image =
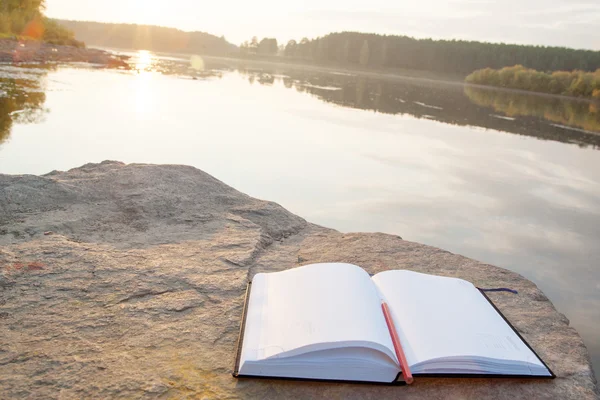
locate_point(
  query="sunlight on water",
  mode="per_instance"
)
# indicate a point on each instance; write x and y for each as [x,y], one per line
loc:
[145,64]
[144,61]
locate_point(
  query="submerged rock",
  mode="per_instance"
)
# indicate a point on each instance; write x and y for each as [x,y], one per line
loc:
[138,291]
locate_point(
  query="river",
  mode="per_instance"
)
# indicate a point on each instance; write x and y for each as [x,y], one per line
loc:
[507,178]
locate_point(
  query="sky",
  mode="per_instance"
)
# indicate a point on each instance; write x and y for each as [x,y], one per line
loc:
[570,23]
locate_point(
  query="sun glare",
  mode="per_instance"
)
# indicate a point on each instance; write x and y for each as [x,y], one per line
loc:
[143,61]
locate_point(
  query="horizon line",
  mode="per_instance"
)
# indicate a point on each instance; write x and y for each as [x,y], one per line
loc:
[334,32]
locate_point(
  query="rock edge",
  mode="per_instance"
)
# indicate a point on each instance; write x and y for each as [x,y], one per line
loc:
[127,281]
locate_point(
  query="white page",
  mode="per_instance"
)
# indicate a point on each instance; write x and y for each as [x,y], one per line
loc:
[311,308]
[351,364]
[447,317]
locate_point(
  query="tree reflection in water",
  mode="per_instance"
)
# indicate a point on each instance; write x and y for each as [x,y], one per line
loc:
[565,120]
[22,98]
[578,114]
[543,117]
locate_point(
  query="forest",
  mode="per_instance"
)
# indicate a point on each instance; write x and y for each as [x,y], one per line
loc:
[25,18]
[148,37]
[567,83]
[448,56]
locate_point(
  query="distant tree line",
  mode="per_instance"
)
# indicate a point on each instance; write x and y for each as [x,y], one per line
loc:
[149,37]
[448,56]
[568,83]
[267,46]
[25,18]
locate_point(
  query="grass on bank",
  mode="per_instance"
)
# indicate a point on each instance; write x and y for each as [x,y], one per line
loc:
[567,83]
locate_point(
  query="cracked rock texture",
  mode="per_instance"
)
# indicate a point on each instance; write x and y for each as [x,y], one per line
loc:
[128,281]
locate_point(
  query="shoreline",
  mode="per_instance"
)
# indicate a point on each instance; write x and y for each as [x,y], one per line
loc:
[28,51]
[426,76]
[395,75]
[31,51]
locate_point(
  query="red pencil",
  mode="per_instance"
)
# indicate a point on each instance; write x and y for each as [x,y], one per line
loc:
[408,378]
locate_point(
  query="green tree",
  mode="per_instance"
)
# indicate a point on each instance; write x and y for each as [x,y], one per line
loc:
[24,17]
[448,56]
[383,53]
[253,45]
[304,48]
[267,46]
[364,54]
[291,48]
[343,52]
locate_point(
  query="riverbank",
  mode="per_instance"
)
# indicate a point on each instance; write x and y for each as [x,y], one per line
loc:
[577,84]
[33,51]
[121,281]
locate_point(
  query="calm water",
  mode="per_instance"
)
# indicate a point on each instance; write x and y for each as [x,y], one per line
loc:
[509,179]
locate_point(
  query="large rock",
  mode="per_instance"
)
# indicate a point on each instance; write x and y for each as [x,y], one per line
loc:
[127,281]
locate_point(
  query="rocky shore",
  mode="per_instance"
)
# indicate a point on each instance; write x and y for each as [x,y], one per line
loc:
[31,51]
[128,281]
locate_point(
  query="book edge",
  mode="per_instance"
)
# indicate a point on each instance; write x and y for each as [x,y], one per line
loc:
[395,382]
[240,342]
[552,375]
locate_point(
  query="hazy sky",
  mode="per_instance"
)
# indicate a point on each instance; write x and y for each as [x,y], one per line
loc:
[572,23]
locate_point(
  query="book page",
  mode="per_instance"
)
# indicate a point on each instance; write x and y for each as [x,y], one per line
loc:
[312,308]
[447,317]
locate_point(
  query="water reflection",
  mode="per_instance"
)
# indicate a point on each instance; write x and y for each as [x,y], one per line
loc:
[524,204]
[548,118]
[22,88]
[22,98]
[571,113]
[144,62]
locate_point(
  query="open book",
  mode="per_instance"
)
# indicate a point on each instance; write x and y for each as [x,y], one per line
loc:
[325,321]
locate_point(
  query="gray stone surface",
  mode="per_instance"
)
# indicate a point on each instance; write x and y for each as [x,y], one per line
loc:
[127,281]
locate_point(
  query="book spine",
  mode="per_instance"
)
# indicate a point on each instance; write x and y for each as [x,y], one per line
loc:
[238,352]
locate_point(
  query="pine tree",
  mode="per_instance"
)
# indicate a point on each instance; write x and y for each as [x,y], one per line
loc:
[364,54]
